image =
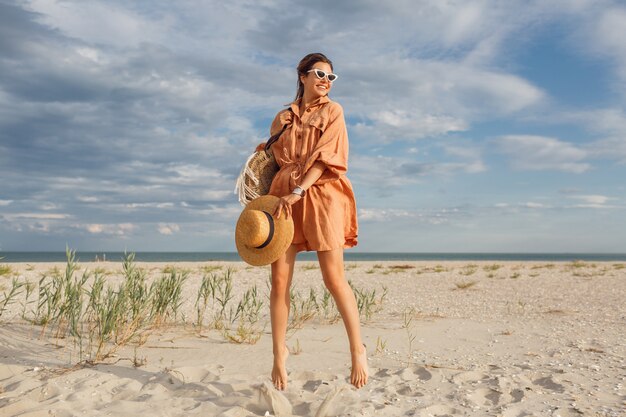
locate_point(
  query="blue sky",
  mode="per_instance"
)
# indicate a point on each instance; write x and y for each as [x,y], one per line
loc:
[482,126]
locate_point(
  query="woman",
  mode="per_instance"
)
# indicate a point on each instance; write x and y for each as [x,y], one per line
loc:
[312,154]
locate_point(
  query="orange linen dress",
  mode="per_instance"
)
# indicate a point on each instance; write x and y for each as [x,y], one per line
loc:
[325,218]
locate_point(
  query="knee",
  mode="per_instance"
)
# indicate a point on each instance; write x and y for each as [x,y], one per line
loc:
[335,285]
[280,283]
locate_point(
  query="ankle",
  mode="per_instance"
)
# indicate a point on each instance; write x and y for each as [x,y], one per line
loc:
[281,352]
[358,349]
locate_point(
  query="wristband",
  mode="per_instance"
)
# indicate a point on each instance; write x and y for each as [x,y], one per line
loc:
[299,191]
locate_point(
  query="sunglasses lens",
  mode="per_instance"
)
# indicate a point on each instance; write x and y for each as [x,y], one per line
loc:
[331,77]
[320,74]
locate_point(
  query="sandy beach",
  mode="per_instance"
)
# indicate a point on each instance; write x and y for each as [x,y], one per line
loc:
[443,338]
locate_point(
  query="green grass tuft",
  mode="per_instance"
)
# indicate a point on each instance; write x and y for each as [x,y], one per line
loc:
[5,270]
[465,285]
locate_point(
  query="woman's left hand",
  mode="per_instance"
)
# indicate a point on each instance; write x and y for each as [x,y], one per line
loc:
[284,205]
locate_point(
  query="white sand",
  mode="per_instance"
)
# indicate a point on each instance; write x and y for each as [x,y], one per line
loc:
[529,340]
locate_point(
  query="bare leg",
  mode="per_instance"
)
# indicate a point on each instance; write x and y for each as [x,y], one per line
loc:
[282,273]
[331,264]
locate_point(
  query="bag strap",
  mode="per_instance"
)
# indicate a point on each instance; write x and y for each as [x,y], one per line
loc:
[274,138]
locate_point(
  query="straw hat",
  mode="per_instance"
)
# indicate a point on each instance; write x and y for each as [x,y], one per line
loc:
[260,237]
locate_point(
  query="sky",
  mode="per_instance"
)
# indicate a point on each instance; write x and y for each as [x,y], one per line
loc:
[474,126]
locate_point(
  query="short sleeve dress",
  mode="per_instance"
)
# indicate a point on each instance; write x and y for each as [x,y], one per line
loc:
[325,218]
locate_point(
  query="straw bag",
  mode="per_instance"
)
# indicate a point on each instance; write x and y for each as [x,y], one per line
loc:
[258,172]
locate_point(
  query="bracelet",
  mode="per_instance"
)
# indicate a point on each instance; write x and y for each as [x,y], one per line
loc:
[299,191]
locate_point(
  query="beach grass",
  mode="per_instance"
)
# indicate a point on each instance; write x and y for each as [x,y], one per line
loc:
[543,266]
[467,270]
[5,270]
[10,296]
[327,309]
[408,316]
[302,309]
[248,309]
[464,285]
[578,264]
[437,269]
[381,345]
[85,310]
[367,302]
[207,269]
[491,268]
[351,266]
[296,349]
[101,318]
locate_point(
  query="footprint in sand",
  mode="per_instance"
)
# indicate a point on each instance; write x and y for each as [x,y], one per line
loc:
[469,376]
[423,374]
[485,396]
[410,391]
[438,410]
[517,395]
[409,374]
[548,383]
[312,386]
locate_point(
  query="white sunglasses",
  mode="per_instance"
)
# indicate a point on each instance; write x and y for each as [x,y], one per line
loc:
[321,74]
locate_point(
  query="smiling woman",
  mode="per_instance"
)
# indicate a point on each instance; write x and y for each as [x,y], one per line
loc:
[312,187]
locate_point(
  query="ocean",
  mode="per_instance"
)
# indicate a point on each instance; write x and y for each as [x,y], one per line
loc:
[348,256]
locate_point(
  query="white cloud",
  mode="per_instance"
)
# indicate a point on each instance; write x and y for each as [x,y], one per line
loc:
[533,205]
[606,128]
[39,227]
[540,153]
[91,54]
[39,216]
[427,98]
[610,148]
[588,201]
[216,195]
[609,28]
[226,213]
[88,199]
[391,214]
[49,206]
[98,22]
[94,228]
[190,173]
[162,205]
[386,173]
[401,124]
[120,229]
[592,199]
[5,202]
[168,228]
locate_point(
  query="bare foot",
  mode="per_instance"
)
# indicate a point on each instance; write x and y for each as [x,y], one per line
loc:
[279,372]
[360,372]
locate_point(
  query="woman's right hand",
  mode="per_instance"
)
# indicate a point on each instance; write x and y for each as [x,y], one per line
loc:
[284,205]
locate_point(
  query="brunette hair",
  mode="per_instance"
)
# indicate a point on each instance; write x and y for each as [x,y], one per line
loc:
[306,64]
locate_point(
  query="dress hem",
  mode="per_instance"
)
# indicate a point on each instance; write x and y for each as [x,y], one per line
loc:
[304,247]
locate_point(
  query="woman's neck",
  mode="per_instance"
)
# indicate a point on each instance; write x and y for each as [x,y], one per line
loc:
[305,102]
